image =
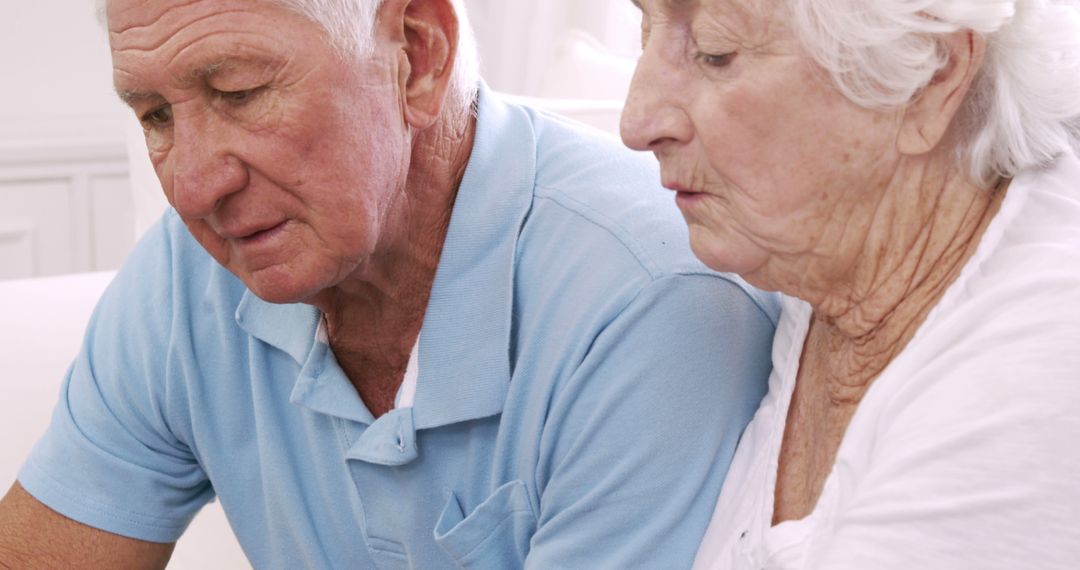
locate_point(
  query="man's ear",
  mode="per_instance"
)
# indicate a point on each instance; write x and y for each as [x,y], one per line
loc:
[928,116]
[430,29]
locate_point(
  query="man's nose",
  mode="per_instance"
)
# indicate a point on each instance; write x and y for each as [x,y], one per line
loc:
[654,115]
[205,170]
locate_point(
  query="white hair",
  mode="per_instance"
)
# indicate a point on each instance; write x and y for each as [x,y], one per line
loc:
[1024,106]
[350,25]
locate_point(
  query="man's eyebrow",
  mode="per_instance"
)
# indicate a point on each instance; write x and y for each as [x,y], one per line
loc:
[132,96]
[203,73]
[209,70]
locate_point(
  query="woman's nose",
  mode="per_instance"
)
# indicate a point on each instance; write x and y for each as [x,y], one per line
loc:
[653,115]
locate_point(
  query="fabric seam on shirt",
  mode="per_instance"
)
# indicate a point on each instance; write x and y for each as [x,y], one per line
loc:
[605,223]
[655,273]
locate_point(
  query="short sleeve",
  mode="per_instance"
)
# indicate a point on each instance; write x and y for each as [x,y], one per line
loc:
[110,457]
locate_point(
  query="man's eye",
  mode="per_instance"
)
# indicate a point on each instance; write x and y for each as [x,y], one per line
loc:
[157,118]
[716,60]
[241,96]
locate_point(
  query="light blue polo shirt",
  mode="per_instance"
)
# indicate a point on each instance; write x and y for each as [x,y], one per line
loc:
[583,381]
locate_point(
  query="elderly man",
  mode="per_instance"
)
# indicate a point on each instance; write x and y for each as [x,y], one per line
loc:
[392,320]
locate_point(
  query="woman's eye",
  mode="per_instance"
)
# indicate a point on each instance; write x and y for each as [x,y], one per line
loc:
[157,118]
[716,60]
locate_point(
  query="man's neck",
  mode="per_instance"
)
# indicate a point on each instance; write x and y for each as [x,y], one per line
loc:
[374,316]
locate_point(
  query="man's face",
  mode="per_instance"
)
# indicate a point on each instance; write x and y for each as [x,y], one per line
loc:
[281,156]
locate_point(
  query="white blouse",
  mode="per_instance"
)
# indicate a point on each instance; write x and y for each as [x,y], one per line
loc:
[965,451]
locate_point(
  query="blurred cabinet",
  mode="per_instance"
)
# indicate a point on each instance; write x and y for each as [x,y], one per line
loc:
[65,203]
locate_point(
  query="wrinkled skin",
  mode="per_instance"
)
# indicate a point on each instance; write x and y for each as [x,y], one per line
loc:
[867,215]
[775,170]
[282,158]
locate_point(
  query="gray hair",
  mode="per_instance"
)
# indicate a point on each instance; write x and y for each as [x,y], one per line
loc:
[350,25]
[1024,106]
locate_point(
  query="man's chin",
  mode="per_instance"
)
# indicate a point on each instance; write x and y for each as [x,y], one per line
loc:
[278,297]
[275,287]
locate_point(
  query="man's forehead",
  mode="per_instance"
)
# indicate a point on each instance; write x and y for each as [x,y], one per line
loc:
[185,42]
[123,15]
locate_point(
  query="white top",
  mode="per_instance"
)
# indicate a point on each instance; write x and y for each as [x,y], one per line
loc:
[965,452]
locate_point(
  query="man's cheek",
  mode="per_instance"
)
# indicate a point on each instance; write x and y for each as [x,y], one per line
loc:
[217,247]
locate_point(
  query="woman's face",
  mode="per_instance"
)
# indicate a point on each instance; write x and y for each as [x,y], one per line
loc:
[776,172]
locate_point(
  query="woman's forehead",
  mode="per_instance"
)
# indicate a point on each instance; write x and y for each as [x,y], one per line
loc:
[742,16]
[740,8]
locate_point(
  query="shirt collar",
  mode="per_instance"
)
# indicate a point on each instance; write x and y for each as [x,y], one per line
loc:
[289,328]
[465,340]
[464,355]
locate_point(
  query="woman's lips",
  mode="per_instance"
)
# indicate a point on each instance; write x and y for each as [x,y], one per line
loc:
[686,199]
[684,196]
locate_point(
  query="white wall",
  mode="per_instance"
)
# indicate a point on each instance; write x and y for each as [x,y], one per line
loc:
[519,38]
[56,72]
[64,198]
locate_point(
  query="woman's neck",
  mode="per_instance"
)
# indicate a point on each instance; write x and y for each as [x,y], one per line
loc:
[915,246]
[915,243]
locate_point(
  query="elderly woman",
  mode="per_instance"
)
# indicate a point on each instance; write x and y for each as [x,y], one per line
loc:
[904,173]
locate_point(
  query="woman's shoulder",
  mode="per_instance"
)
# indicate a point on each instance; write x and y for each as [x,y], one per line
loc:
[970,432]
[1037,231]
[1018,299]
[996,365]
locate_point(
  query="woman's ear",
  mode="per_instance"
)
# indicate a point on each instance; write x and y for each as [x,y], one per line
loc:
[430,46]
[928,116]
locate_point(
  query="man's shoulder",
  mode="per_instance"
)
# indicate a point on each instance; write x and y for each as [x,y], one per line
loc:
[595,168]
[599,210]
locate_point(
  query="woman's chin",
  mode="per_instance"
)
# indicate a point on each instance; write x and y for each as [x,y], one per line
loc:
[718,252]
